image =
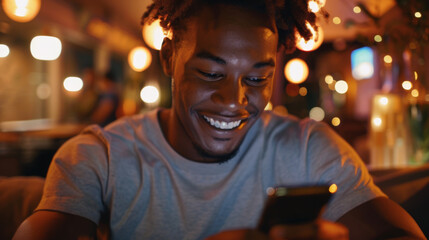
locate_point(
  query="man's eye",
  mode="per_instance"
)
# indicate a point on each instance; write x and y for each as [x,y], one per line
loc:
[210,76]
[256,79]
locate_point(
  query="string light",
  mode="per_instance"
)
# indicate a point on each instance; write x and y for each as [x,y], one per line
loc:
[336,121]
[296,71]
[418,14]
[21,10]
[45,48]
[407,85]
[357,9]
[378,38]
[336,20]
[4,50]
[139,59]
[149,94]
[73,84]
[153,34]
[388,59]
[341,86]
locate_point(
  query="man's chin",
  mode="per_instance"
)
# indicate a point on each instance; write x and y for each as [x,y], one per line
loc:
[211,157]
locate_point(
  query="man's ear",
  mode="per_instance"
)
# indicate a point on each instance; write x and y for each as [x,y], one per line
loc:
[166,55]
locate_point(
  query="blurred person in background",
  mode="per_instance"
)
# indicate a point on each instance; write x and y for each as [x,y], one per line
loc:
[99,99]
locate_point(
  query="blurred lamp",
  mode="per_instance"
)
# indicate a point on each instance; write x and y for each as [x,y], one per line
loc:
[153,34]
[149,94]
[4,50]
[45,48]
[362,63]
[139,59]
[73,84]
[313,43]
[21,10]
[296,71]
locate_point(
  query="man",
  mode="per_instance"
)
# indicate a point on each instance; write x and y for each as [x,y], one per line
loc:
[201,168]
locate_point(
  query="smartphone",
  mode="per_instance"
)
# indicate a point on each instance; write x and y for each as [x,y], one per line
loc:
[294,204]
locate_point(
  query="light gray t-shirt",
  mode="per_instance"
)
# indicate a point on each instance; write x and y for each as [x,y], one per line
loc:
[130,173]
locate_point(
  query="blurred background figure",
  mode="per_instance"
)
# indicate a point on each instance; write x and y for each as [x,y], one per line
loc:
[99,99]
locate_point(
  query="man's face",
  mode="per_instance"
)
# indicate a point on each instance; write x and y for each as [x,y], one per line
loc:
[222,71]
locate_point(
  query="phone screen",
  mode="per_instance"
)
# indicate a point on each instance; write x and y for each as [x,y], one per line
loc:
[293,205]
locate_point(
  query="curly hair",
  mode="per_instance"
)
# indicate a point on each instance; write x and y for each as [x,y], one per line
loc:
[290,15]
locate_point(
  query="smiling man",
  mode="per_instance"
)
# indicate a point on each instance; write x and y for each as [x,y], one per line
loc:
[202,168]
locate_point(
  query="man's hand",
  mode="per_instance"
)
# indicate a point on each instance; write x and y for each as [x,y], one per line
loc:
[320,230]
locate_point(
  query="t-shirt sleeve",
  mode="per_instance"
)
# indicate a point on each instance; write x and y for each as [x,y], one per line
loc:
[76,178]
[333,160]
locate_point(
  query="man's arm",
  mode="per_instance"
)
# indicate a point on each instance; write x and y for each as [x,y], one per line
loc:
[380,218]
[55,225]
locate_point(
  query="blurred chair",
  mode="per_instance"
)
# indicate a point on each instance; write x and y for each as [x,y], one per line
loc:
[19,196]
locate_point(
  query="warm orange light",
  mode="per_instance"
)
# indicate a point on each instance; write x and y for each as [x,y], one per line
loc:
[153,35]
[336,121]
[333,188]
[139,59]
[21,10]
[296,71]
[314,42]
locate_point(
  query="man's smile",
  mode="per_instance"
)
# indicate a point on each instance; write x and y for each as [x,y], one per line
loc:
[224,125]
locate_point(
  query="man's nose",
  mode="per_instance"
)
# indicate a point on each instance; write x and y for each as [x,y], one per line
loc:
[232,95]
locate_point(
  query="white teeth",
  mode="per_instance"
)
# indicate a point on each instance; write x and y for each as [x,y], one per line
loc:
[222,124]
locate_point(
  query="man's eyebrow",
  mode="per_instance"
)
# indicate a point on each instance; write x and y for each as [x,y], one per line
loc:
[268,63]
[211,57]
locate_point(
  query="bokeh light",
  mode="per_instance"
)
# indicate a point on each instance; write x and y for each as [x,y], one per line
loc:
[333,188]
[153,35]
[43,91]
[149,94]
[341,87]
[336,20]
[317,114]
[362,60]
[296,71]
[383,101]
[407,85]
[377,123]
[357,9]
[73,84]
[387,59]
[303,91]
[21,10]
[329,79]
[415,93]
[418,14]
[378,38]
[4,50]
[45,48]
[336,121]
[139,59]
[129,107]
[313,43]
[313,6]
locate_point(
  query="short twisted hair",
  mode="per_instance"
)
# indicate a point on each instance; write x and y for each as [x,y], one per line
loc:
[290,15]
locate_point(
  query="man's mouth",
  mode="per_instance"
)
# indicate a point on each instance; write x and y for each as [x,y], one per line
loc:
[219,124]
